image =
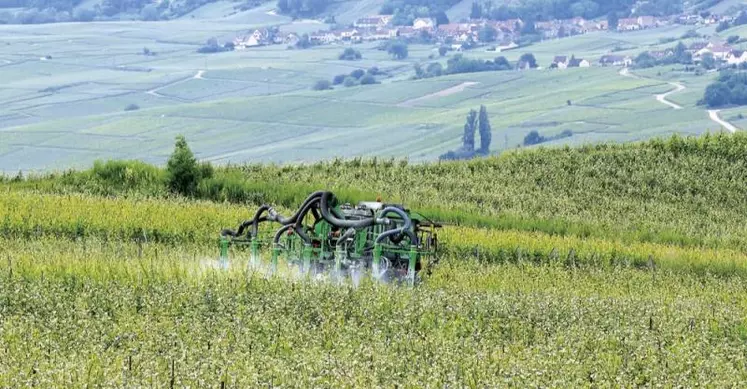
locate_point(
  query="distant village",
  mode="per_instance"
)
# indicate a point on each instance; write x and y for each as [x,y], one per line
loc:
[504,36]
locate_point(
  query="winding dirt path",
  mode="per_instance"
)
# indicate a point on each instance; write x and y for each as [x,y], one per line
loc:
[662,98]
[713,114]
[441,93]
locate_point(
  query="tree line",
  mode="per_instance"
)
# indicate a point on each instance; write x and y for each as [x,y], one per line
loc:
[475,122]
[566,9]
[729,89]
[460,64]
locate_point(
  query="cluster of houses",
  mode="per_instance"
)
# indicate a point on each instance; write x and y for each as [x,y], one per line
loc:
[564,62]
[379,27]
[506,33]
[721,52]
[264,36]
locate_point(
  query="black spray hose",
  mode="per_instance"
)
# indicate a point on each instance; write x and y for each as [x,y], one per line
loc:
[258,218]
[298,225]
[328,215]
[279,233]
[291,220]
[243,226]
[397,231]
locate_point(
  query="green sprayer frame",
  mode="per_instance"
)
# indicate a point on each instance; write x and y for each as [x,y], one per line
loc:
[386,240]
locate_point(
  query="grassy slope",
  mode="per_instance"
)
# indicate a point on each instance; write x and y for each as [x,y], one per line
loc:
[685,192]
[563,310]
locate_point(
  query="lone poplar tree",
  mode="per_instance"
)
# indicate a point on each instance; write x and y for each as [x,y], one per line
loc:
[485,135]
[469,131]
[183,171]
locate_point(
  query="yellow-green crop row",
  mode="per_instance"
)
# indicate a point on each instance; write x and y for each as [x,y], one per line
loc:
[29,215]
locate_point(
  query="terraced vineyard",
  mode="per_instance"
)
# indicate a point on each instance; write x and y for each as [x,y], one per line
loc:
[598,266]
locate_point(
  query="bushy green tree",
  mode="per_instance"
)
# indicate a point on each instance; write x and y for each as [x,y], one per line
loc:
[322,85]
[398,50]
[183,170]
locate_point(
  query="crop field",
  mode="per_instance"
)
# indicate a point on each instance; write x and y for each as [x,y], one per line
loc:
[256,105]
[597,266]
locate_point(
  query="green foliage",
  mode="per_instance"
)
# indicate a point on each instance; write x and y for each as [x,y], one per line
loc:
[476,11]
[534,138]
[184,174]
[527,60]
[681,191]
[350,81]
[470,126]
[350,54]
[104,314]
[398,50]
[302,8]
[339,79]
[368,79]
[485,131]
[119,177]
[487,34]
[707,61]
[459,64]
[730,88]
[405,11]
[322,85]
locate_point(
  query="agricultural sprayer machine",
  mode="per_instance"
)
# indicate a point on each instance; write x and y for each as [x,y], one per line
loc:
[325,237]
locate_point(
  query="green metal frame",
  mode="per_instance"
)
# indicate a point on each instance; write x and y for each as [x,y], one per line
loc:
[307,256]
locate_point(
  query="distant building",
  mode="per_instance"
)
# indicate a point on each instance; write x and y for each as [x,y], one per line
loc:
[423,24]
[615,60]
[578,63]
[628,24]
[736,57]
[559,62]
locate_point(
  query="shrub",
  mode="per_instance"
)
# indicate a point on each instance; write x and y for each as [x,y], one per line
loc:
[357,74]
[112,177]
[368,80]
[132,107]
[350,54]
[350,81]
[339,79]
[322,85]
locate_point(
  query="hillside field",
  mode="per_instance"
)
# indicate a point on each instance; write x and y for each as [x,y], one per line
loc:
[585,267]
[257,105]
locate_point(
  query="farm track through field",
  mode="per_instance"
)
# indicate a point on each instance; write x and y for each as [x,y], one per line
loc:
[713,114]
[662,98]
[442,93]
[154,91]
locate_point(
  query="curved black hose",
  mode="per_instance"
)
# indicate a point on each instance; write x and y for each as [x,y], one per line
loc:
[298,225]
[405,229]
[335,220]
[257,216]
[291,220]
[243,226]
[279,233]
